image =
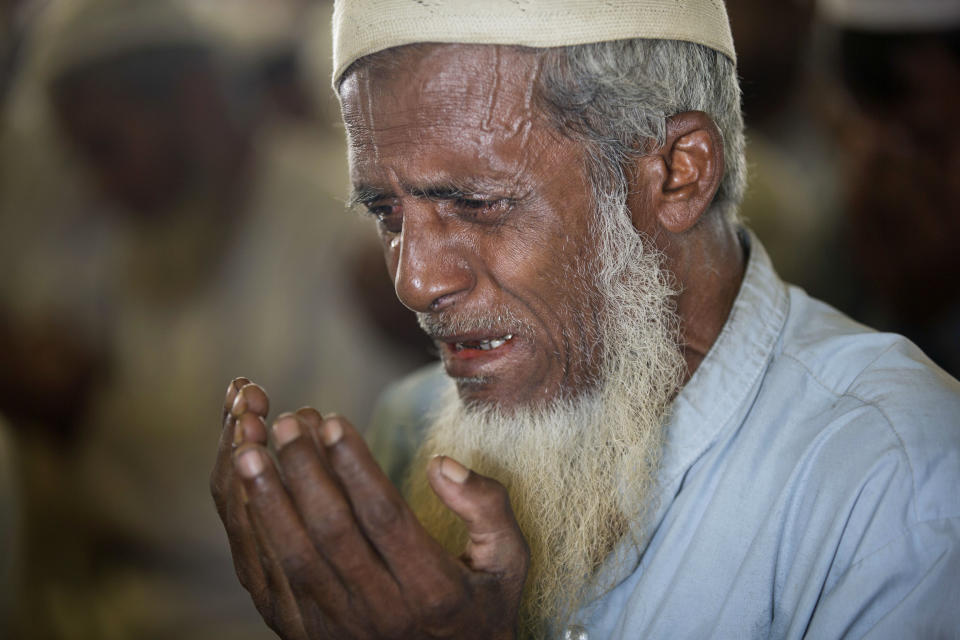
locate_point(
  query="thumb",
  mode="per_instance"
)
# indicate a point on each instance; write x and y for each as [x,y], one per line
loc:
[496,543]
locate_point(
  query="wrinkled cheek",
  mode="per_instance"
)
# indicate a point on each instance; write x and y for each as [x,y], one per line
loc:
[586,341]
[568,364]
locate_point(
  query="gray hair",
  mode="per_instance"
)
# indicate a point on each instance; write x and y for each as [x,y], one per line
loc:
[615,97]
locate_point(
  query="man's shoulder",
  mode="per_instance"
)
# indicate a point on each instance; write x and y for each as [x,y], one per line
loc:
[833,495]
[867,405]
[846,357]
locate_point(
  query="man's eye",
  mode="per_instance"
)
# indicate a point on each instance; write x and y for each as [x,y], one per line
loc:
[388,215]
[481,207]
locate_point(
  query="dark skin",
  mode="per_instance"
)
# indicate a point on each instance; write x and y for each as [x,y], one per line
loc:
[321,539]
[327,547]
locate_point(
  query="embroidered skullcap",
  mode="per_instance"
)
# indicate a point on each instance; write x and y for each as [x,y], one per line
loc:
[362,27]
[891,15]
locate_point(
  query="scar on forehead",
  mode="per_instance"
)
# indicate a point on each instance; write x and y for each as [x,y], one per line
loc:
[523,113]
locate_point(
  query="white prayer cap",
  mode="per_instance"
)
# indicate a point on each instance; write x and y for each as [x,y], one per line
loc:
[891,15]
[362,27]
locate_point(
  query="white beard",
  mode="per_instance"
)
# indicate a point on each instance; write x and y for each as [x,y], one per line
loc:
[581,471]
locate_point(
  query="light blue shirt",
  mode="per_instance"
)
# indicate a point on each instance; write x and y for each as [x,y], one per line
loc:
[810,486]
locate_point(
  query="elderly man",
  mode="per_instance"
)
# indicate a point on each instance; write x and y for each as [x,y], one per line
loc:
[643,432]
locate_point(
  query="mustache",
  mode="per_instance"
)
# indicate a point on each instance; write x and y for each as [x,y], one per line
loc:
[499,320]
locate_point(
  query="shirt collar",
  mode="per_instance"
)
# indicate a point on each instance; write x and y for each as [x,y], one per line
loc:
[727,378]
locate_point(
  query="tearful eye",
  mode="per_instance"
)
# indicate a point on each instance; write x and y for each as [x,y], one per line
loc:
[389,215]
[472,203]
[475,208]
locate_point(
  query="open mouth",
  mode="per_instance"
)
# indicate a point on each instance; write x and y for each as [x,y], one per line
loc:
[483,345]
[479,356]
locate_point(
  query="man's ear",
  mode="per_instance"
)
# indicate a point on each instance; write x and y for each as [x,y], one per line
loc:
[672,186]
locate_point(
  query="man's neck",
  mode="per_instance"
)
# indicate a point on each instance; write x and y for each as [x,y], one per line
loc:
[708,262]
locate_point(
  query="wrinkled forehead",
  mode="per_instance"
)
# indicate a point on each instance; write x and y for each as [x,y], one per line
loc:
[439,89]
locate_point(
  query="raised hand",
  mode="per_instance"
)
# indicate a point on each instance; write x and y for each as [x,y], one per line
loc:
[327,547]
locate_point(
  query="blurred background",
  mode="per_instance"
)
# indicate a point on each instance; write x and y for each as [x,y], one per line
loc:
[172,184]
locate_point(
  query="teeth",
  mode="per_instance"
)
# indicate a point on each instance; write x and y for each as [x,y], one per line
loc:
[485,345]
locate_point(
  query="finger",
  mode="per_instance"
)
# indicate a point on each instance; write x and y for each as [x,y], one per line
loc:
[228,420]
[251,398]
[250,428]
[247,428]
[416,560]
[244,549]
[235,385]
[230,501]
[281,531]
[249,410]
[496,544]
[312,422]
[277,603]
[228,495]
[325,511]
[241,395]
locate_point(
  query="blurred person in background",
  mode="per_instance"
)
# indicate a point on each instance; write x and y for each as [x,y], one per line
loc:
[166,221]
[15,16]
[791,201]
[850,162]
[896,97]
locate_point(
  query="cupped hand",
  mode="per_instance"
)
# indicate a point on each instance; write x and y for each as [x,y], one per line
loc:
[328,548]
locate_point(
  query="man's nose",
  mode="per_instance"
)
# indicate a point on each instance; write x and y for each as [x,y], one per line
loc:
[433,271]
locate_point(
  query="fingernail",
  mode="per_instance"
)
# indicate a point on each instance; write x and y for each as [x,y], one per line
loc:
[286,429]
[453,470]
[250,463]
[331,433]
[239,405]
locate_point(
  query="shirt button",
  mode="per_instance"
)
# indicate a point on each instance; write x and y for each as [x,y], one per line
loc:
[575,632]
